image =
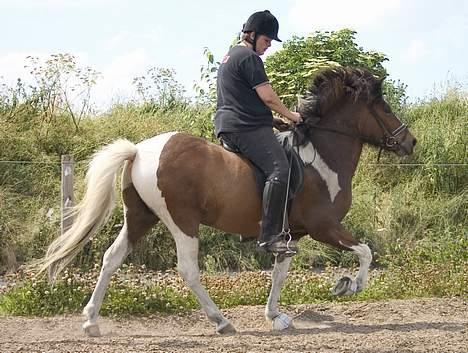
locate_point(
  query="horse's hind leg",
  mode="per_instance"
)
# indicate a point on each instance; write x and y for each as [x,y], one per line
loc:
[187,265]
[339,237]
[113,258]
[138,220]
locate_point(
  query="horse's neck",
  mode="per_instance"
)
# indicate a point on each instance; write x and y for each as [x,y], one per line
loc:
[331,153]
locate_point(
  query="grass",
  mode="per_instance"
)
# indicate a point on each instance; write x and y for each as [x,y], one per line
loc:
[138,291]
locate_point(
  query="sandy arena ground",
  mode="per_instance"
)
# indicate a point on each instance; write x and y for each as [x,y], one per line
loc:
[422,325]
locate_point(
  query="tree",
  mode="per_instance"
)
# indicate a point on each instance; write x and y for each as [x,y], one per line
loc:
[206,88]
[291,68]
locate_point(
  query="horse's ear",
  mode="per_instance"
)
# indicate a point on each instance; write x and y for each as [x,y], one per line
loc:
[379,84]
[381,81]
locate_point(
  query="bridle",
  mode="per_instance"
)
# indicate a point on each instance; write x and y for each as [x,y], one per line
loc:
[389,139]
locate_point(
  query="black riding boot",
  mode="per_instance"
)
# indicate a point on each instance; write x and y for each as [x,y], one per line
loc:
[271,239]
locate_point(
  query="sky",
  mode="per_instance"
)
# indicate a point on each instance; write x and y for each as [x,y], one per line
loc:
[425,40]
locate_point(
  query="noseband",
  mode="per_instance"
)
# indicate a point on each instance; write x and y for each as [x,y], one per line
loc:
[389,140]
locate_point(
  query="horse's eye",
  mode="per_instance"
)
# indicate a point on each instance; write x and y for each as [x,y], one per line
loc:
[386,108]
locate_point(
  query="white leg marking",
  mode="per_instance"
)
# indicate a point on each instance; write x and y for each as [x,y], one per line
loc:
[310,156]
[365,259]
[280,271]
[347,285]
[144,176]
[113,258]
[187,263]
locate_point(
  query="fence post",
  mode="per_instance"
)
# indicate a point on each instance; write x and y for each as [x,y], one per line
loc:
[66,192]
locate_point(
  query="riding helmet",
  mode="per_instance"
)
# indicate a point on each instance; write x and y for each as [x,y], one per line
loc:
[262,22]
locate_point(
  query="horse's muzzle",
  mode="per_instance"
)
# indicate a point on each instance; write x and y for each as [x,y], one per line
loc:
[406,147]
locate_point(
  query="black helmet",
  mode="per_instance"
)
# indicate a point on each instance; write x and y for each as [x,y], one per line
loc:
[263,22]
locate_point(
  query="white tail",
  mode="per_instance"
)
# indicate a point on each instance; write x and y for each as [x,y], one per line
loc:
[93,211]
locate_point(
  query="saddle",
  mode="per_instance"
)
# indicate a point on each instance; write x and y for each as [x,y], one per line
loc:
[286,139]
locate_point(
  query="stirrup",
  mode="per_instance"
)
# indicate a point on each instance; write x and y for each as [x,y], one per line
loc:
[279,246]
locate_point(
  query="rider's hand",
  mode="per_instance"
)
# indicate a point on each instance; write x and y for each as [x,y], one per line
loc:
[295,117]
[280,124]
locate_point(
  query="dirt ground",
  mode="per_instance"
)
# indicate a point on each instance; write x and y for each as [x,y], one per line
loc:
[422,325]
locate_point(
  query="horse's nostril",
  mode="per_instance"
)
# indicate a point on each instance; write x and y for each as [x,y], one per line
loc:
[414,142]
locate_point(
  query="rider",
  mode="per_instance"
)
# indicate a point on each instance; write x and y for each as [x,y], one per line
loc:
[244,119]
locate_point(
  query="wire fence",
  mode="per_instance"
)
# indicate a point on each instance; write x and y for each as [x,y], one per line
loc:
[369,164]
[56,187]
[33,198]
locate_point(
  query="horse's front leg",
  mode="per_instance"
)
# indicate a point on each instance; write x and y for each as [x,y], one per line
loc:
[347,285]
[334,234]
[278,320]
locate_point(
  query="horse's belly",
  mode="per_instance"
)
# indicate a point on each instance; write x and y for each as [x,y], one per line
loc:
[239,215]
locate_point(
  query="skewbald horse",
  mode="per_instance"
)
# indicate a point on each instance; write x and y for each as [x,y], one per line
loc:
[185,181]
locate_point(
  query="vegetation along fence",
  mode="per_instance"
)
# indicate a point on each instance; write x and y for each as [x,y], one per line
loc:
[394,206]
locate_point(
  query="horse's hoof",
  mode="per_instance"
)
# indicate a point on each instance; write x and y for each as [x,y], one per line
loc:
[281,322]
[91,330]
[343,287]
[225,328]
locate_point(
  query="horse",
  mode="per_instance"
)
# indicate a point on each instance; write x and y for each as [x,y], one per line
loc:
[185,181]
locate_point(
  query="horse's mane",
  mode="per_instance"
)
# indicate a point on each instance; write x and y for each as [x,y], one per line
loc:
[334,86]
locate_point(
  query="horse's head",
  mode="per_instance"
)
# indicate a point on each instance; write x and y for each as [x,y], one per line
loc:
[349,101]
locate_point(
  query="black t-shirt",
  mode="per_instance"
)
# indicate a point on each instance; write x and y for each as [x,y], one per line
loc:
[239,108]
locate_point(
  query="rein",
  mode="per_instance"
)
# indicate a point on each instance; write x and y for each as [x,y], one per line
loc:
[344,133]
[389,139]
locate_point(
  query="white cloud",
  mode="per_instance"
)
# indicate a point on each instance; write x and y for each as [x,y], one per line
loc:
[115,82]
[118,39]
[117,77]
[58,4]
[152,36]
[308,16]
[12,66]
[415,52]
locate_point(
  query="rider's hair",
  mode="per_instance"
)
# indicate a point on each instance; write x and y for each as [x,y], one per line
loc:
[248,37]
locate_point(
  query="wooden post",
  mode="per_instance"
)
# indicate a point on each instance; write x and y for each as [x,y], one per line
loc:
[66,192]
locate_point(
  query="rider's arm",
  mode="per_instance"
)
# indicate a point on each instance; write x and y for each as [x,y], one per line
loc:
[272,101]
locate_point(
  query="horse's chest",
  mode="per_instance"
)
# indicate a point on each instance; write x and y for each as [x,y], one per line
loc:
[326,177]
